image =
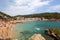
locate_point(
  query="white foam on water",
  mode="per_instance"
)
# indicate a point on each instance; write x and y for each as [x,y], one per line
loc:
[37,28]
[15,39]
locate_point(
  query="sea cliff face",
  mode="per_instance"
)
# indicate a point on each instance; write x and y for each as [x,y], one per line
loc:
[37,37]
[6,29]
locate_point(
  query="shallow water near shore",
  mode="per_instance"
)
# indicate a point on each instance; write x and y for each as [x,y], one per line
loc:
[25,30]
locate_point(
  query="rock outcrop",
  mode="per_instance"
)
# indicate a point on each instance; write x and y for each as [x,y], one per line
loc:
[52,34]
[37,36]
[6,31]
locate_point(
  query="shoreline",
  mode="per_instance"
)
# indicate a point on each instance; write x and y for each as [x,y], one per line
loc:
[6,28]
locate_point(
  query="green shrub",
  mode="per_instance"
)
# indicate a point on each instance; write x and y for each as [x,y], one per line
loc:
[55,30]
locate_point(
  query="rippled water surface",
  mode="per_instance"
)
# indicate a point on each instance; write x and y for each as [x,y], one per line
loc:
[25,30]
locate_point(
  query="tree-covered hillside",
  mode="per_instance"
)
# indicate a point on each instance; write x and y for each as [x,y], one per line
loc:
[5,15]
[45,15]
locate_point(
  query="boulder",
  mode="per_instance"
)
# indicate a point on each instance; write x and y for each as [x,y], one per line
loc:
[37,36]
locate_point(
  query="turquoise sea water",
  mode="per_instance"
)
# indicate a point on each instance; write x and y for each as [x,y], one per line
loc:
[25,30]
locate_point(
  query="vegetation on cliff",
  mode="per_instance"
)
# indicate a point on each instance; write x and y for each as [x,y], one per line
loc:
[3,14]
[55,30]
[47,15]
[54,33]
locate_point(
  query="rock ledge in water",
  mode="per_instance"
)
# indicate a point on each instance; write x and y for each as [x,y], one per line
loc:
[37,36]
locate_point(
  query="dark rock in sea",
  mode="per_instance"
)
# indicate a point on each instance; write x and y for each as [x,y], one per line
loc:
[25,32]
